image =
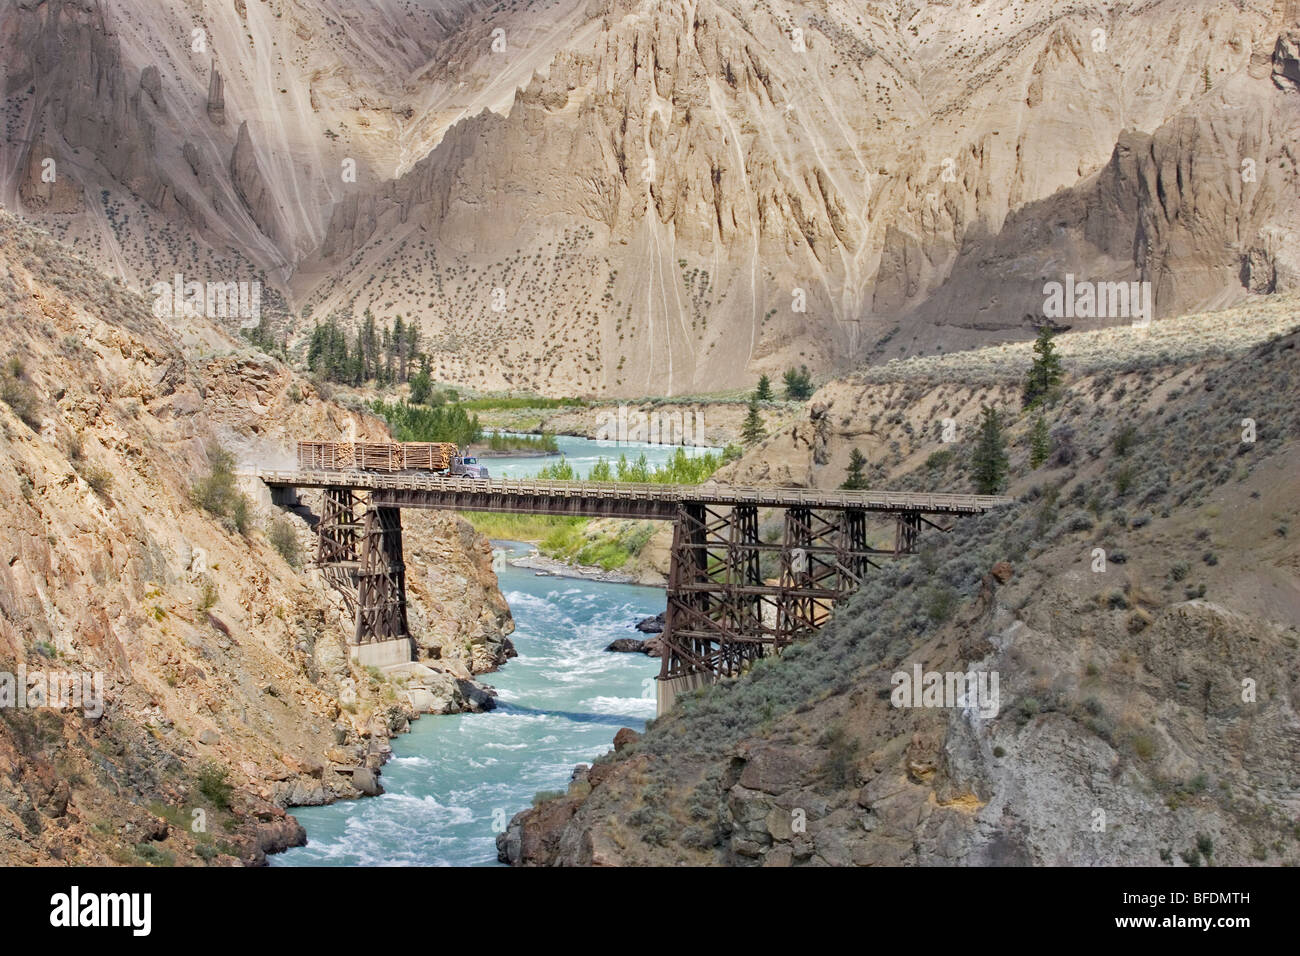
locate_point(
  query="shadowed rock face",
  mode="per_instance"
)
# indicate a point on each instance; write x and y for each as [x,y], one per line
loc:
[217,101]
[250,184]
[642,199]
[1286,61]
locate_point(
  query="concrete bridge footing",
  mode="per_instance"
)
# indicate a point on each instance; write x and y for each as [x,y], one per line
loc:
[383,653]
[668,689]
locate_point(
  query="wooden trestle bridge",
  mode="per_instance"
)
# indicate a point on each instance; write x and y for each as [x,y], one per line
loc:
[722,612]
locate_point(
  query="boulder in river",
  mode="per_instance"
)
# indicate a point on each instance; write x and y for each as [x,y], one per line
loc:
[652,625]
[367,781]
[627,645]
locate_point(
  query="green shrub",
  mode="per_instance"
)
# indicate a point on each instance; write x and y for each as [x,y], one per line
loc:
[99,479]
[207,596]
[415,422]
[218,493]
[543,442]
[214,785]
[1144,746]
[840,765]
[940,603]
[1124,440]
[284,539]
[938,460]
[1124,480]
[21,398]
[1079,521]
[153,855]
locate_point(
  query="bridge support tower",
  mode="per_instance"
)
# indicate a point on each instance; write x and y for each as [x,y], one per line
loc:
[359,551]
[723,614]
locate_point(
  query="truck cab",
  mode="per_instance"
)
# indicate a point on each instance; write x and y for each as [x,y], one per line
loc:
[468,468]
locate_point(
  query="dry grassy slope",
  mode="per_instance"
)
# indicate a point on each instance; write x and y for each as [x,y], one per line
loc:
[894,413]
[1121,691]
[108,581]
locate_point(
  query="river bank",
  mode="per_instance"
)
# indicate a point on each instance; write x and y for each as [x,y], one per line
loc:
[542,565]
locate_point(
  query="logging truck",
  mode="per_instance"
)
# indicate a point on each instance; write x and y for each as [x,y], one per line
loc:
[439,457]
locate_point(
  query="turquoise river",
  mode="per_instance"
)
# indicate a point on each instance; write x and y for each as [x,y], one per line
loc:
[454,781]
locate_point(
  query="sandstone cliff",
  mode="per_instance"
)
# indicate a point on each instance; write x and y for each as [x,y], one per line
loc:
[228,693]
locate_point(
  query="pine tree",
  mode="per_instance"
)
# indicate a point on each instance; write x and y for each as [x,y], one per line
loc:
[1045,374]
[399,349]
[989,462]
[764,391]
[368,346]
[1040,443]
[798,384]
[316,348]
[752,432]
[413,345]
[327,353]
[855,479]
[421,384]
[384,369]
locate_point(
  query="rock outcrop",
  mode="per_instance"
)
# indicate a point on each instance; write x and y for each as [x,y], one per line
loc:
[1286,61]
[246,175]
[217,98]
[45,186]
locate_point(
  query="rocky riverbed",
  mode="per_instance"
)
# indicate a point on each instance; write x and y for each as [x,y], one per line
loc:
[544,565]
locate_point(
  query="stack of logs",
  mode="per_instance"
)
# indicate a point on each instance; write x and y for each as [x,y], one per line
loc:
[375,456]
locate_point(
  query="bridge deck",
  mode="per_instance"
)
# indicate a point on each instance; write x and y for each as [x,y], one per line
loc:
[614,499]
